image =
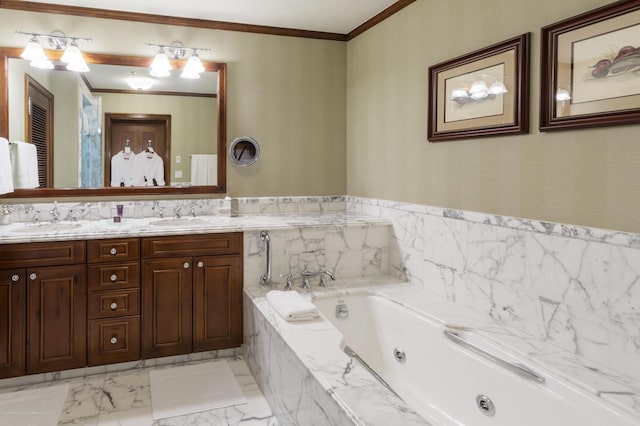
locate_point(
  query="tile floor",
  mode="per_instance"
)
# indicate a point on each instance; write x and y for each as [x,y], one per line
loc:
[124,398]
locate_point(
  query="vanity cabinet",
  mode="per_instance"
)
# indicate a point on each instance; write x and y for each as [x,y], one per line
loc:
[113,301]
[191,293]
[43,307]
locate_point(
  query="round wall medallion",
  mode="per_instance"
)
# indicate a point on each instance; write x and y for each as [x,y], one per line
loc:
[244,151]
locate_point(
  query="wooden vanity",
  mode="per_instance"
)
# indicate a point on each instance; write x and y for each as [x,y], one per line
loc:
[71,304]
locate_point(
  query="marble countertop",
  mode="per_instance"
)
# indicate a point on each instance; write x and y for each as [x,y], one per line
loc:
[94,229]
[329,364]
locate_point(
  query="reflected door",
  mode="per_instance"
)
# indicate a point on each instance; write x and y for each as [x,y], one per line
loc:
[135,134]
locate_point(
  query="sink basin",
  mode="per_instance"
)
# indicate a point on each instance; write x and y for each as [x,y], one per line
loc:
[180,221]
[48,227]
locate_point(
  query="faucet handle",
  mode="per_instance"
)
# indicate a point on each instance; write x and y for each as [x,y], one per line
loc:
[192,211]
[289,284]
[176,211]
[36,216]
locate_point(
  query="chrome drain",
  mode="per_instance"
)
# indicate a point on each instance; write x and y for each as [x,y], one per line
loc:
[485,405]
[399,355]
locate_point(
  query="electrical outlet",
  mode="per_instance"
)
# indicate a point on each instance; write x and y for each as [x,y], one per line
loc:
[178,159]
[177,174]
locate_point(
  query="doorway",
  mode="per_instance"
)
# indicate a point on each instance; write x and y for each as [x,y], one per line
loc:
[136,134]
[39,128]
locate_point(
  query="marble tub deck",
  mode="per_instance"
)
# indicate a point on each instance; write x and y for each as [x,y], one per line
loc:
[124,398]
[316,344]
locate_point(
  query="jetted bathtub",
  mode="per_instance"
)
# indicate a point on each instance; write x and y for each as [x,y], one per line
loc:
[453,376]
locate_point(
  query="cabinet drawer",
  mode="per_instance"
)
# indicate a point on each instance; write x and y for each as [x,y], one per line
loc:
[41,254]
[113,340]
[113,276]
[191,245]
[117,249]
[113,304]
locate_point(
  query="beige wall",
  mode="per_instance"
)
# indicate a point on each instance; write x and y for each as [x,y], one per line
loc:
[588,177]
[288,93]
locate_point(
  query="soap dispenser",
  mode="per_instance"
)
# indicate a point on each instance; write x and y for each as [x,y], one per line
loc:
[5,216]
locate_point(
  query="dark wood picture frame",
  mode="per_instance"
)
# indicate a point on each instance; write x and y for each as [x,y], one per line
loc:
[585,78]
[481,114]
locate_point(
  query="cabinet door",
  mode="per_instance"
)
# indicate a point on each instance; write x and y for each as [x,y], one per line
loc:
[217,303]
[167,287]
[57,318]
[13,322]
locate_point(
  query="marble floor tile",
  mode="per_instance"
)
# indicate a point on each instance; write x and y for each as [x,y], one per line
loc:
[124,399]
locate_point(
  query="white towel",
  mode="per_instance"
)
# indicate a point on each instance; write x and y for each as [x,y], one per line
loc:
[6,175]
[24,161]
[292,306]
[204,169]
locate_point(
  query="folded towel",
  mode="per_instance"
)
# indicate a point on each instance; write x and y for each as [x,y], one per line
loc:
[6,176]
[24,162]
[292,306]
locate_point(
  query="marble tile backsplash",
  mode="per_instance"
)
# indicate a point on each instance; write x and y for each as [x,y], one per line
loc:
[575,287]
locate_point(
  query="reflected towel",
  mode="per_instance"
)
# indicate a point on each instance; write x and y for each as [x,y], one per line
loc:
[204,169]
[6,175]
[292,306]
[24,161]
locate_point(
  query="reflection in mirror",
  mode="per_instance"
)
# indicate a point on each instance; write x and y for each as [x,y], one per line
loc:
[83,143]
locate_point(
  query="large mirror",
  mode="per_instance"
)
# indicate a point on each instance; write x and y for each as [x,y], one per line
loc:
[92,119]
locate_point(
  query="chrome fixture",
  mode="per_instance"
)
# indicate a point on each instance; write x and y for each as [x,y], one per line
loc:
[342,311]
[306,275]
[350,352]
[289,283]
[161,64]
[55,213]
[485,405]
[5,215]
[72,57]
[36,216]
[519,369]
[400,355]
[176,212]
[192,211]
[266,278]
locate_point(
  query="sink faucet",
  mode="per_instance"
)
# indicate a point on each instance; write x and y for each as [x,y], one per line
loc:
[192,211]
[55,213]
[176,211]
[36,216]
[306,275]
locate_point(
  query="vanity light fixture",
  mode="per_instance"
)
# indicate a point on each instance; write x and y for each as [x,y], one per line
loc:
[161,64]
[563,95]
[72,56]
[479,91]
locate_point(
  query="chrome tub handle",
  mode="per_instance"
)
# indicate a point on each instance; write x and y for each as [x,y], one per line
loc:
[519,369]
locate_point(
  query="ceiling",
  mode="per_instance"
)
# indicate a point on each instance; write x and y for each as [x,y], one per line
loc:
[333,16]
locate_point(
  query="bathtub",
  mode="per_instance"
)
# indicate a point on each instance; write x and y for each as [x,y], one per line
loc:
[453,376]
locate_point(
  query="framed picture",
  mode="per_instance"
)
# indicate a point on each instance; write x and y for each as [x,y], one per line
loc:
[483,93]
[590,69]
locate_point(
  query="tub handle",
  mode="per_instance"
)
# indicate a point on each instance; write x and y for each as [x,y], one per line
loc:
[519,369]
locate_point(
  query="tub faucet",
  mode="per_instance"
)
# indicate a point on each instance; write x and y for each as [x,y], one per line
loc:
[306,275]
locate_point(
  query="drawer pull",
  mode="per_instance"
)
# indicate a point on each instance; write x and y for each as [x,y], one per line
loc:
[15,278]
[200,264]
[114,306]
[186,265]
[114,278]
[114,340]
[33,276]
[113,251]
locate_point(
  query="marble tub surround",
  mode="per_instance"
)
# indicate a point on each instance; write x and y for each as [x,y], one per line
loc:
[311,352]
[577,288]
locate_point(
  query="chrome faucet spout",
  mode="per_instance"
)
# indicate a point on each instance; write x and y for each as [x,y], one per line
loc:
[55,213]
[306,275]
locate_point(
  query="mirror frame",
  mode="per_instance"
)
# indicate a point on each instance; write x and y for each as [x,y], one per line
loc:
[95,58]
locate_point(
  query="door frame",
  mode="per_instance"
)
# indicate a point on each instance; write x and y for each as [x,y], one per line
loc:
[116,118]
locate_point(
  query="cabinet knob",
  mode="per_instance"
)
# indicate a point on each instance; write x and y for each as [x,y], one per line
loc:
[113,251]
[33,276]
[186,265]
[200,264]
[114,277]
[15,278]
[114,306]
[114,340]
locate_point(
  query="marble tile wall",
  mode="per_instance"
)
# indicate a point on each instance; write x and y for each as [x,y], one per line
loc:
[575,287]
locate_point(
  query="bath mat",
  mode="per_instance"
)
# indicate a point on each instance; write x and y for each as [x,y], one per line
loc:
[33,407]
[193,388]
